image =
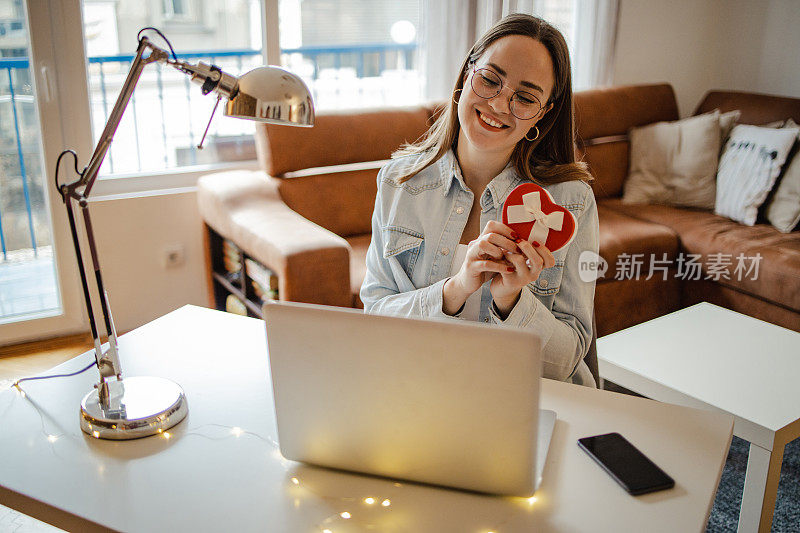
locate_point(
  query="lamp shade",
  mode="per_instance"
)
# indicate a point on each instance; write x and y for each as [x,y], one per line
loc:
[272,94]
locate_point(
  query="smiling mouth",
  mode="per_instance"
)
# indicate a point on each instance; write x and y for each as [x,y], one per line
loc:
[488,121]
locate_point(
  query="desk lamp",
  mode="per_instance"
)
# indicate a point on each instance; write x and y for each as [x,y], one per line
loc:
[140,406]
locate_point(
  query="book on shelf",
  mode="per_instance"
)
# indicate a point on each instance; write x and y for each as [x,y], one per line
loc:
[231,266]
[264,294]
[260,274]
[235,305]
[231,256]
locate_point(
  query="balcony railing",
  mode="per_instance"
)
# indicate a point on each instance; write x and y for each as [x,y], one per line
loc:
[11,133]
[162,129]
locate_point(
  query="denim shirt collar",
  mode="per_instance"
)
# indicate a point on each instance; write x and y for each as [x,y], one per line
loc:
[497,190]
[451,172]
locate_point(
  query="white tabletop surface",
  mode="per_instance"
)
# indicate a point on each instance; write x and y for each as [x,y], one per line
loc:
[220,470]
[742,365]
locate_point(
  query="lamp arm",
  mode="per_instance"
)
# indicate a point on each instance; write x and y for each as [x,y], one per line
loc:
[108,362]
[143,406]
[89,174]
[211,78]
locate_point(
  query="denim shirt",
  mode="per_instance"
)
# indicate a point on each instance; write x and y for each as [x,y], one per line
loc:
[416,227]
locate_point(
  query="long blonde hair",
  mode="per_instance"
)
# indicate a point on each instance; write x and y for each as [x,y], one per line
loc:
[548,159]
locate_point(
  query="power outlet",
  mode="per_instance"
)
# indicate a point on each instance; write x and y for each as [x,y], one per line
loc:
[174,256]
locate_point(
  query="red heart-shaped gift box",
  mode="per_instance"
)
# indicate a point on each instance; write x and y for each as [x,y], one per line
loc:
[531,212]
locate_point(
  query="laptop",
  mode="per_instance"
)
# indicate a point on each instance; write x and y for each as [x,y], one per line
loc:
[449,403]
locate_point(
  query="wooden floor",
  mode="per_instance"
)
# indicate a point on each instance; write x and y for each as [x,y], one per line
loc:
[24,360]
[32,358]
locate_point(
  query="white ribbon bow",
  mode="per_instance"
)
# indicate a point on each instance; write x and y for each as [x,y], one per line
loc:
[531,210]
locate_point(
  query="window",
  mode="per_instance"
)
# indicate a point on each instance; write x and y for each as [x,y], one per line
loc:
[177,10]
[167,114]
[29,285]
[353,53]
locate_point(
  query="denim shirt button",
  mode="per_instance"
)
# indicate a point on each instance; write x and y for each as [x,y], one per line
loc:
[445,251]
[459,210]
[486,319]
[543,283]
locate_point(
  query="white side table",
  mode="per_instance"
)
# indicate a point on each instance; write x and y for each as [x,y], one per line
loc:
[711,357]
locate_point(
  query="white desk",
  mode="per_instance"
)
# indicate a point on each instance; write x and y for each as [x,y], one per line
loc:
[710,357]
[206,478]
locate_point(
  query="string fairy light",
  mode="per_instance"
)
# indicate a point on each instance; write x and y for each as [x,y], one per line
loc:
[235,431]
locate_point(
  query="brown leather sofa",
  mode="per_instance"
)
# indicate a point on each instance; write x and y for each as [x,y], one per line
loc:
[306,216]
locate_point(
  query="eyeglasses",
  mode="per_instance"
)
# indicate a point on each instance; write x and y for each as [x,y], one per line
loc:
[488,84]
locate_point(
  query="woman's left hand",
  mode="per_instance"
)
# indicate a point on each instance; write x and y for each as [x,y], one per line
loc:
[506,286]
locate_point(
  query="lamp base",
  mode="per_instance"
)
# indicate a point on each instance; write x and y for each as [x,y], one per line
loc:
[137,407]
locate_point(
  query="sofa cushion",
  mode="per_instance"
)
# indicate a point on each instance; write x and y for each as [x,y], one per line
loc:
[339,138]
[674,162]
[712,292]
[614,110]
[622,234]
[625,303]
[755,108]
[602,120]
[748,168]
[608,163]
[783,207]
[359,245]
[726,123]
[702,232]
[341,201]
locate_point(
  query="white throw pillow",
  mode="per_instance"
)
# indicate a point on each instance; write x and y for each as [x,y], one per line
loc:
[748,168]
[674,162]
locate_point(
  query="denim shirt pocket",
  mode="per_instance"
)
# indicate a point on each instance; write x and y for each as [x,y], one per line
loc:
[404,245]
[549,281]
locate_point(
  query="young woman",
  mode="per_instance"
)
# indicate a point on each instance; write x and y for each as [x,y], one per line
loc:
[438,248]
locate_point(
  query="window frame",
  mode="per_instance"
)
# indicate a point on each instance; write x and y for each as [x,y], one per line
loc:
[50,24]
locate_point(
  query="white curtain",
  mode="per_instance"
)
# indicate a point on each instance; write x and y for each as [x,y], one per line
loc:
[594,38]
[451,27]
[448,32]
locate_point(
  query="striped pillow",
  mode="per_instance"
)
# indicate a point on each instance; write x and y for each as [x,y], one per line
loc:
[748,168]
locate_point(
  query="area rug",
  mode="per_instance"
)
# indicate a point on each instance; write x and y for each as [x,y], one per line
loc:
[725,512]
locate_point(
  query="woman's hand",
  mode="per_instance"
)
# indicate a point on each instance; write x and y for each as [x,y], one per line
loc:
[486,257]
[528,264]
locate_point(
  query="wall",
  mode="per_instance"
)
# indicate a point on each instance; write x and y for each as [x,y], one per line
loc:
[132,236]
[699,45]
[779,61]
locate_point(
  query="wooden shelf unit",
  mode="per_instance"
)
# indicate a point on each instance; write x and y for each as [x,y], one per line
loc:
[223,282]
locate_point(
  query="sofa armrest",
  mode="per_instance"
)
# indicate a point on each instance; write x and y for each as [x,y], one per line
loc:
[312,263]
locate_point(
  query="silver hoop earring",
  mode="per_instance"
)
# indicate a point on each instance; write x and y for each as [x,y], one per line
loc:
[536,137]
[456,92]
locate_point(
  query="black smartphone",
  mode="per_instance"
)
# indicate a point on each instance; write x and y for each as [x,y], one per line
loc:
[626,464]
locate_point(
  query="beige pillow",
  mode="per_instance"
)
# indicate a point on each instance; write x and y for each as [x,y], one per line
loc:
[783,211]
[726,123]
[674,162]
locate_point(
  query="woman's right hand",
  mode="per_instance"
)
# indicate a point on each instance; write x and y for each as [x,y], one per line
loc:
[485,258]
